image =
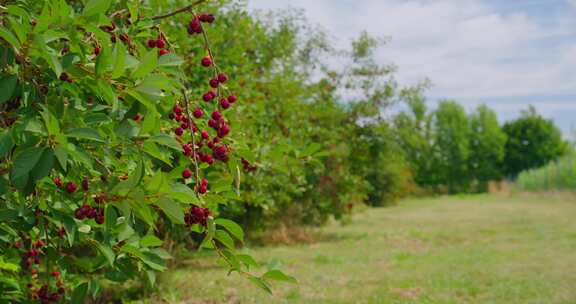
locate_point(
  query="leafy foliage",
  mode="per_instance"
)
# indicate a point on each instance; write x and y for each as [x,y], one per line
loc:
[96,180]
[532,142]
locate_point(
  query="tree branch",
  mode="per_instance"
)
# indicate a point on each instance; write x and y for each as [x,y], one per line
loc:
[178,11]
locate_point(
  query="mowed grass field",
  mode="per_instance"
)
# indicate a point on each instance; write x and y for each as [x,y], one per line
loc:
[477,249]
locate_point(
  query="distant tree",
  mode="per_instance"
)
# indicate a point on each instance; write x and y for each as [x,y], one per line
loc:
[532,142]
[452,145]
[487,146]
[414,134]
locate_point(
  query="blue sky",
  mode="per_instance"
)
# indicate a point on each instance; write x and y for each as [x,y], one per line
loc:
[504,53]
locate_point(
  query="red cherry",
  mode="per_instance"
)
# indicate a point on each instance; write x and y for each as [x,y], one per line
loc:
[160,43]
[206,61]
[85,184]
[214,83]
[222,78]
[71,187]
[179,131]
[57,181]
[163,52]
[177,110]
[198,113]
[151,43]
[224,130]
[224,103]
[186,173]
[137,117]
[205,135]
[216,115]
[232,98]
[97,50]
[64,77]
[209,96]
[213,124]
[55,274]
[208,18]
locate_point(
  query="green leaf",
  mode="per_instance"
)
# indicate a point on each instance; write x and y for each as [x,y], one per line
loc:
[8,214]
[24,162]
[151,241]
[79,293]
[62,156]
[8,36]
[94,7]
[6,144]
[107,252]
[262,284]
[183,193]
[147,64]
[278,275]
[84,133]
[247,260]
[7,87]
[110,218]
[153,150]
[167,141]
[119,60]
[210,232]
[223,237]
[136,176]
[172,209]
[232,227]
[149,104]
[103,60]
[52,125]
[44,165]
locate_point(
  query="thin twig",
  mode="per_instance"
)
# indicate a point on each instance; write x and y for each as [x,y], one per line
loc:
[191,127]
[178,11]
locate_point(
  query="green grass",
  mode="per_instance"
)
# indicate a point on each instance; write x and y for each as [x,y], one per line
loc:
[481,249]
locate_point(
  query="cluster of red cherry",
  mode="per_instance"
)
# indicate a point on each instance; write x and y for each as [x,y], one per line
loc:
[197,215]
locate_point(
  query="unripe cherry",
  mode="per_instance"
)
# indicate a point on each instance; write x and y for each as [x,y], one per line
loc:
[179,131]
[198,113]
[224,103]
[222,78]
[186,173]
[206,61]
[57,181]
[232,98]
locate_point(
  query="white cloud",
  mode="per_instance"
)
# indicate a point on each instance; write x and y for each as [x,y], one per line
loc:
[468,48]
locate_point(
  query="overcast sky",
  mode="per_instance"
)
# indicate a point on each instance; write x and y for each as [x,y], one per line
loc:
[505,53]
